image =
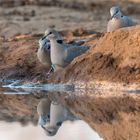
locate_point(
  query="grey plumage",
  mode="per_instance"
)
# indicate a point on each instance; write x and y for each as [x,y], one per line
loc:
[76,42]
[62,54]
[118,20]
[43,110]
[52,115]
[58,114]
[43,52]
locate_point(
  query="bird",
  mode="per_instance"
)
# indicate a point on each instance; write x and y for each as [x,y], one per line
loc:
[43,110]
[43,52]
[58,114]
[118,20]
[62,54]
[51,115]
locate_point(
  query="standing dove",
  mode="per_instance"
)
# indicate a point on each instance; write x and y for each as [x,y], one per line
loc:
[58,114]
[43,52]
[61,53]
[43,110]
[118,20]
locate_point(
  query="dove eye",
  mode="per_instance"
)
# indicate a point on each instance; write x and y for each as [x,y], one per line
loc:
[117,11]
[49,132]
[48,116]
[49,47]
[59,124]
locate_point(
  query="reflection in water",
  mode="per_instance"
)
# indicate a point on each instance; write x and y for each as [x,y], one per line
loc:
[18,87]
[51,116]
[58,116]
[78,130]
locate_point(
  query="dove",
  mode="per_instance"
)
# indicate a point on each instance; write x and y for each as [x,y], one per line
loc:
[118,20]
[61,53]
[58,114]
[43,110]
[43,52]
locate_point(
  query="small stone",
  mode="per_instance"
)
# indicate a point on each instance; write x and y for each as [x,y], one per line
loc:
[33,13]
[25,18]
[97,56]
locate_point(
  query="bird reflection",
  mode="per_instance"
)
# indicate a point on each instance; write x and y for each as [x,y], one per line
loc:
[52,115]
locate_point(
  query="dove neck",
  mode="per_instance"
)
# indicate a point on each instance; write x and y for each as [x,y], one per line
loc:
[118,15]
[55,50]
[53,40]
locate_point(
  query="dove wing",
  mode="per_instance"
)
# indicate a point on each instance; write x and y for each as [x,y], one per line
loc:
[73,51]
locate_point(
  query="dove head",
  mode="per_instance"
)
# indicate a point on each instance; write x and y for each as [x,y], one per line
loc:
[115,12]
[50,31]
[52,130]
[52,36]
[43,110]
[43,43]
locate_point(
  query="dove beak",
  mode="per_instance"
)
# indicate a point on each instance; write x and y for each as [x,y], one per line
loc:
[44,37]
[112,16]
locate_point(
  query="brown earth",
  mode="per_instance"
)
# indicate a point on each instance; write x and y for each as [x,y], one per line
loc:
[112,57]
[22,26]
[35,18]
[19,59]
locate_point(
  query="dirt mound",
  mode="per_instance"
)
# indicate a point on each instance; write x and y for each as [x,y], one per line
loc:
[114,57]
[123,44]
[18,58]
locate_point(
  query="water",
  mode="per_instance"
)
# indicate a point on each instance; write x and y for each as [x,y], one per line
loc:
[24,112]
[10,126]
[17,87]
[78,130]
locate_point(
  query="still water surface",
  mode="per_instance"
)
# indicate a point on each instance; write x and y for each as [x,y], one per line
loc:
[77,130]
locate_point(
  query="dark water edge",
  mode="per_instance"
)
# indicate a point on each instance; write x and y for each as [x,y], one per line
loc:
[20,87]
[17,87]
